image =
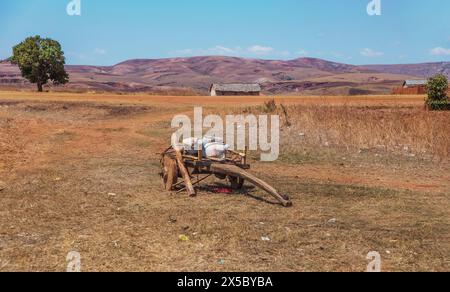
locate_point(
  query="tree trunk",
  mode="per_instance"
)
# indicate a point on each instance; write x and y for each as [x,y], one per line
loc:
[40,87]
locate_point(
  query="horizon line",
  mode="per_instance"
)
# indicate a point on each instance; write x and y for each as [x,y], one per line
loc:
[248,58]
[258,59]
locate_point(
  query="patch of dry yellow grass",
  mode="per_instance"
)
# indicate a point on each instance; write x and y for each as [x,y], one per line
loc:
[398,129]
[407,129]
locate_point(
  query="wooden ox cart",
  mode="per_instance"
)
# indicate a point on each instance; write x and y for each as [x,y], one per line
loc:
[192,170]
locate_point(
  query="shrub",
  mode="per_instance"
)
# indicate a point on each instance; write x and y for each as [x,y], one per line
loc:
[438,105]
[270,106]
[437,93]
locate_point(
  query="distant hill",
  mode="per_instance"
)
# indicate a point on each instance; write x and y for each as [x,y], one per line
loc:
[195,75]
[424,70]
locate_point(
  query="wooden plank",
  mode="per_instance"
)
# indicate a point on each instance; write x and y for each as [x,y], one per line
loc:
[238,172]
[170,173]
[185,174]
[200,151]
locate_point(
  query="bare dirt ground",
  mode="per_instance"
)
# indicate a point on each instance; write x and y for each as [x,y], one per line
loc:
[80,173]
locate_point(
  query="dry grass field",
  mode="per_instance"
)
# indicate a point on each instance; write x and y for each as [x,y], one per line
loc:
[79,172]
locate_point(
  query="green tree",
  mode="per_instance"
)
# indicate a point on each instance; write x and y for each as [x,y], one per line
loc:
[40,60]
[437,88]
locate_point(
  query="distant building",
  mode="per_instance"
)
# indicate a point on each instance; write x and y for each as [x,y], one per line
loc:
[239,89]
[412,87]
[415,83]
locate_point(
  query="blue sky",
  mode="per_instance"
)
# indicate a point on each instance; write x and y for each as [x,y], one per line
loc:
[111,31]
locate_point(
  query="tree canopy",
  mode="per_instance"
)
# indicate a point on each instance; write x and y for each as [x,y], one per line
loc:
[437,93]
[437,87]
[40,61]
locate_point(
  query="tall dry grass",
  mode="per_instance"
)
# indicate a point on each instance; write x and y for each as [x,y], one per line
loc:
[411,130]
[408,130]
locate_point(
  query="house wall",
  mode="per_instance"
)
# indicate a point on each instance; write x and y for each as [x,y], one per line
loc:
[234,93]
[413,90]
[410,90]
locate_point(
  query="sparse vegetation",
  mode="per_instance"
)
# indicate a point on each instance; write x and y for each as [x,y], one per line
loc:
[270,106]
[78,174]
[287,122]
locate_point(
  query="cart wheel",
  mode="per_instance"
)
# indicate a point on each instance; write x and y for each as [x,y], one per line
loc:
[170,173]
[237,183]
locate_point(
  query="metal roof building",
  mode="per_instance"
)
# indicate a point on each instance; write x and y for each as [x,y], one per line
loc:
[413,83]
[235,89]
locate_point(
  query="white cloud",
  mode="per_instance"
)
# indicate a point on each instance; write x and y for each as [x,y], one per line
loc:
[224,50]
[371,53]
[217,50]
[252,51]
[86,57]
[440,51]
[260,50]
[337,54]
[76,55]
[98,51]
[302,52]
[185,52]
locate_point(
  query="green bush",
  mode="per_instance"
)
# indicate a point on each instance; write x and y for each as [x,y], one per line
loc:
[437,93]
[438,105]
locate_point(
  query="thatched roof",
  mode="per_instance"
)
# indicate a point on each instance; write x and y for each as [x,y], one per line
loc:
[236,87]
